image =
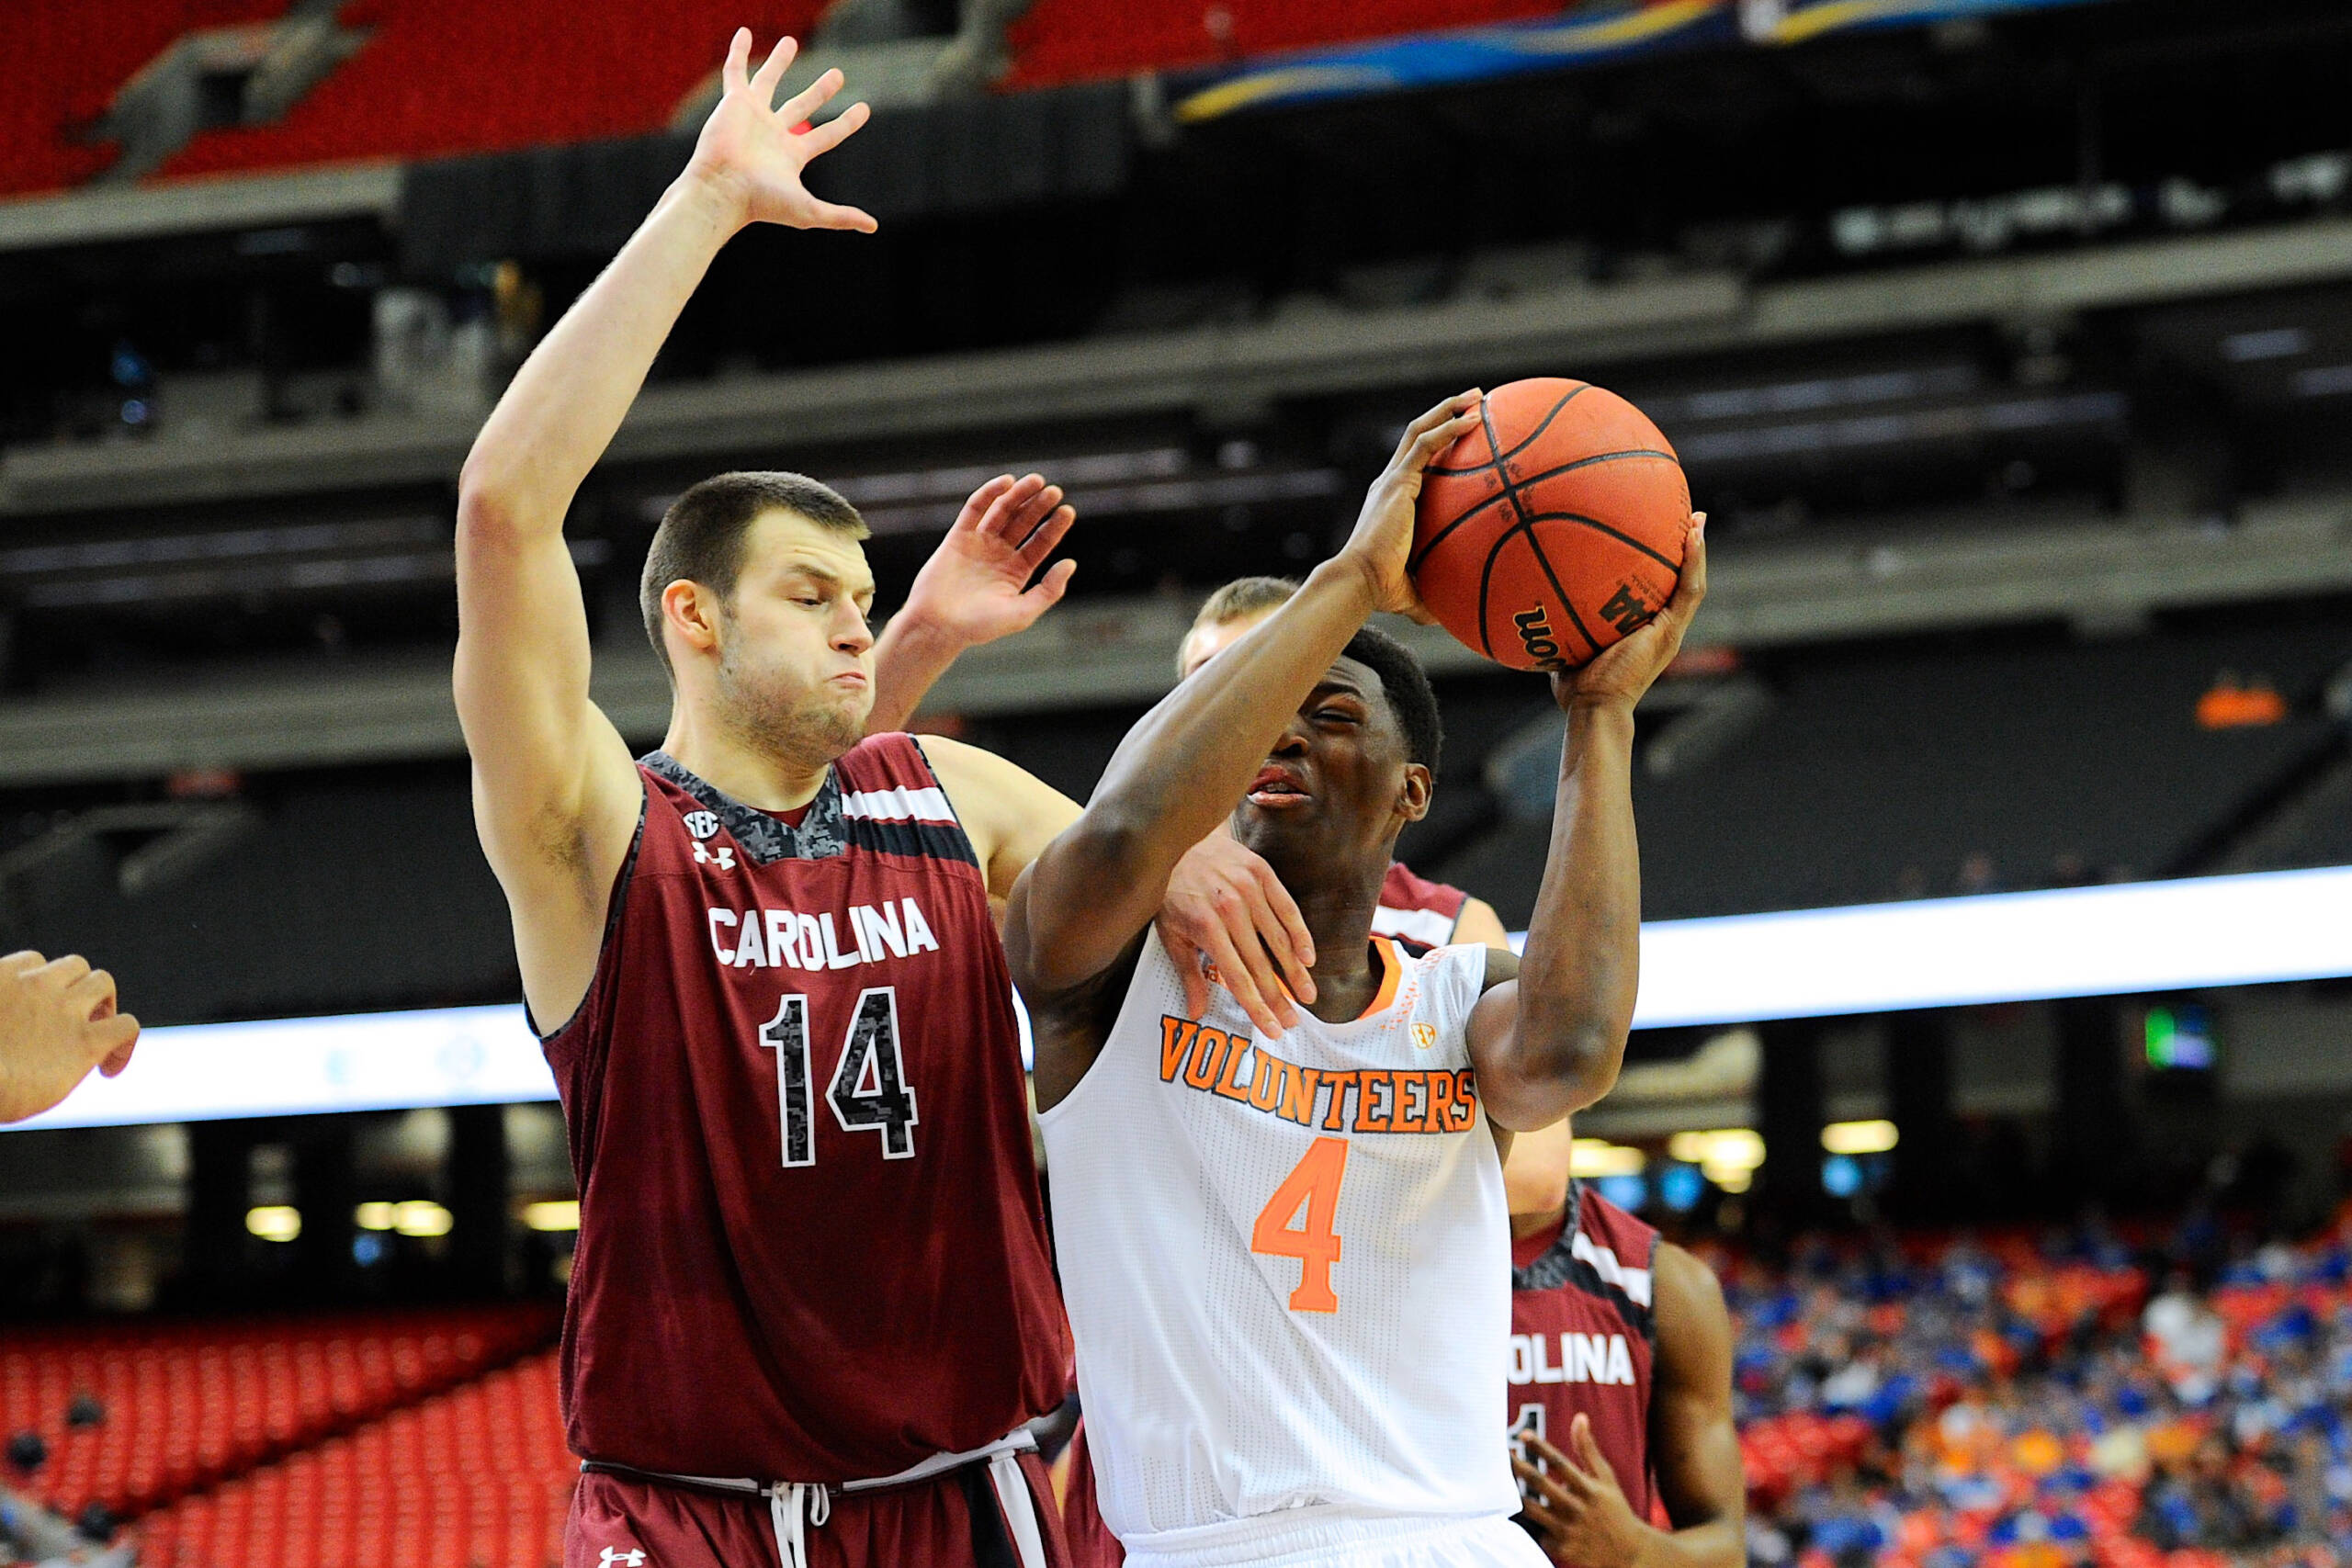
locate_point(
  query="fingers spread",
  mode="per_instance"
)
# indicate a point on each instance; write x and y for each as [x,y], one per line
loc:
[1045,534]
[978,506]
[1446,412]
[731,75]
[1541,1486]
[1055,582]
[804,104]
[772,72]
[825,215]
[1283,931]
[1236,978]
[823,138]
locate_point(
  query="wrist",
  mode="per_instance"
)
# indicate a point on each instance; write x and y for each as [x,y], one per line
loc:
[1600,717]
[720,196]
[1350,573]
[918,637]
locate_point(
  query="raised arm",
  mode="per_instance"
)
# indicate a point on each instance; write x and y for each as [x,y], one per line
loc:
[1550,1042]
[1182,768]
[556,796]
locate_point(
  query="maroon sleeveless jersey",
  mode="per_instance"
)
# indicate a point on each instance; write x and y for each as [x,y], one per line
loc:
[1415,909]
[810,1243]
[1584,1336]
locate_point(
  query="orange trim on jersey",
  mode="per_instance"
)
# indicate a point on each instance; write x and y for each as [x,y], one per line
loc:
[1392,964]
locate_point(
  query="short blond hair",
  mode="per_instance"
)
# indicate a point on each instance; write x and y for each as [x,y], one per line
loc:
[1241,598]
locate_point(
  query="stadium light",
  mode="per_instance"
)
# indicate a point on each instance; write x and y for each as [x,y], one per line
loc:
[1597,1157]
[274,1222]
[1859,1137]
[552,1215]
[2083,941]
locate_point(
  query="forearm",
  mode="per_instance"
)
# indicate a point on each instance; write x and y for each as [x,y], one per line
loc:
[569,398]
[1177,776]
[909,658]
[1715,1544]
[1581,962]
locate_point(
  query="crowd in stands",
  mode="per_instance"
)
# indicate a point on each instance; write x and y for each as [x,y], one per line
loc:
[2055,1403]
[2074,1400]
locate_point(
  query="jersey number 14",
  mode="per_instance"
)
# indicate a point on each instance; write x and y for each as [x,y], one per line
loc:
[869,1091]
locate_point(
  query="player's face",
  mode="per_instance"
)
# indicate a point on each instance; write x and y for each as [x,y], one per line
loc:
[1337,786]
[1205,643]
[1535,1172]
[795,656]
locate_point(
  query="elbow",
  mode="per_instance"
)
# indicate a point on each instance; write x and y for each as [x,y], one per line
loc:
[1580,1057]
[486,509]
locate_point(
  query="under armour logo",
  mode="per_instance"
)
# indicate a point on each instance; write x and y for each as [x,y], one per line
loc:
[633,1558]
[723,857]
[702,824]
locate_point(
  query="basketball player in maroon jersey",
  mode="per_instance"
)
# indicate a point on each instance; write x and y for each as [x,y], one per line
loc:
[811,1308]
[1620,1379]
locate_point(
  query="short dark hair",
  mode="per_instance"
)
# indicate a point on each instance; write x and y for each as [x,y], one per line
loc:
[1407,686]
[701,536]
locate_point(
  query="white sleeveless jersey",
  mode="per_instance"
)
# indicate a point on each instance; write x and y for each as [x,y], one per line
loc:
[1287,1263]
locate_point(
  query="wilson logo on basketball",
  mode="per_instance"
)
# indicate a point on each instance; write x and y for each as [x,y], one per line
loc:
[1535,634]
[1626,610]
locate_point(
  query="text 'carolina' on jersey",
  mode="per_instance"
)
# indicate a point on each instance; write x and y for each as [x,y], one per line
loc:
[1571,1358]
[1390,1100]
[754,938]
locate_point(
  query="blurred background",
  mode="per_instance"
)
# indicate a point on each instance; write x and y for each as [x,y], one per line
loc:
[2007,344]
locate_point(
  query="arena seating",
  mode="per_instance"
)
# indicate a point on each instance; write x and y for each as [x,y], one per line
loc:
[474,1478]
[438,77]
[65,61]
[1069,41]
[182,1405]
[2008,1405]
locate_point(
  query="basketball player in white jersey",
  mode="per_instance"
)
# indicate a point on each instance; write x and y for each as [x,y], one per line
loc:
[1290,1255]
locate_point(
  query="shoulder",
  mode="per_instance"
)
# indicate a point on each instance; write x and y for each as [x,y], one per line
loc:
[1689,1299]
[1501,964]
[973,778]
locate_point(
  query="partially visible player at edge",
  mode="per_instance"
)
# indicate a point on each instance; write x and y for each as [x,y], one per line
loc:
[1318,1385]
[811,1307]
[1620,1379]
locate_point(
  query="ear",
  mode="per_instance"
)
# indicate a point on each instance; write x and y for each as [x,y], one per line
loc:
[1413,799]
[690,612]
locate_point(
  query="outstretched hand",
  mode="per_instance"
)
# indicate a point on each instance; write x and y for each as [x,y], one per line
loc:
[1383,540]
[1626,670]
[754,152]
[975,588]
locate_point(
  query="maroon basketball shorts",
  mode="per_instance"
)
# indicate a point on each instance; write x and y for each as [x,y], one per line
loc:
[953,1520]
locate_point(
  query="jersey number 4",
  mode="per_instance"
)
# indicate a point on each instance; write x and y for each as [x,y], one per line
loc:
[1312,1184]
[869,1092]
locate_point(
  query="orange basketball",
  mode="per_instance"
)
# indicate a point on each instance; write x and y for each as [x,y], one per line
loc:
[1554,529]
